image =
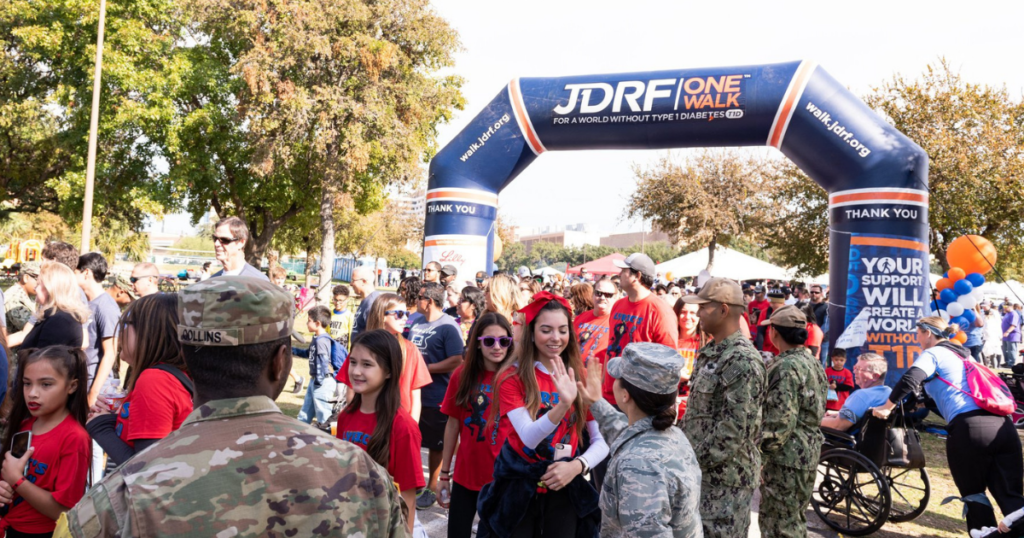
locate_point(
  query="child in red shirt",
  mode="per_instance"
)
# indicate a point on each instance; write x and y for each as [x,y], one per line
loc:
[840,381]
[688,345]
[538,472]
[467,403]
[375,421]
[159,391]
[50,400]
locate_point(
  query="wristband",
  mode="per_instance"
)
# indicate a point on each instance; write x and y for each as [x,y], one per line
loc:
[18,483]
[449,473]
[583,462]
[444,479]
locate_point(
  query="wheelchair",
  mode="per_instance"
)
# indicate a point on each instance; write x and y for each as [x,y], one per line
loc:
[865,479]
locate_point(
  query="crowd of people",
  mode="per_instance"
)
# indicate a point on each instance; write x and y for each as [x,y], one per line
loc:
[614,405]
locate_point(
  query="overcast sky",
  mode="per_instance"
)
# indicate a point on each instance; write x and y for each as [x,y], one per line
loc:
[862,44]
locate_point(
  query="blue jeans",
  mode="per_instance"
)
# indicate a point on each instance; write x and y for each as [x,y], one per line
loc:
[1009,353]
[318,401]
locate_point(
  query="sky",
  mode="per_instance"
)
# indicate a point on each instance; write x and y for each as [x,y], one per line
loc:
[862,44]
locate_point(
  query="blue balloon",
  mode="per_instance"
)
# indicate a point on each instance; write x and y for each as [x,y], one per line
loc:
[963,287]
[969,316]
[945,275]
[939,305]
[976,279]
[961,321]
[947,295]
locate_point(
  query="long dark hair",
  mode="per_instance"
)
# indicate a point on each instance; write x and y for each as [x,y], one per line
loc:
[388,352]
[67,360]
[660,407]
[155,321]
[473,369]
[476,298]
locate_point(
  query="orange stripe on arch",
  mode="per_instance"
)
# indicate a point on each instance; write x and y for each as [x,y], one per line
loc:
[463,195]
[880,196]
[524,118]
[888,242]
[803,74]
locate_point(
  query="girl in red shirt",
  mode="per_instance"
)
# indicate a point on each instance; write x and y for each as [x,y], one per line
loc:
[467,403]
[538,487]
[689,344]
[159,395]
[50,400]
[388,313]
[375,420]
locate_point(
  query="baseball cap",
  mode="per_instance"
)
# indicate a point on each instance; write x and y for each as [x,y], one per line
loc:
[718,290]
[234,311]
[787,316]
[638,262]
[648,366]
[449,270]
[29,268]
[758,289]
[776,295]
[123,282]
[524,271]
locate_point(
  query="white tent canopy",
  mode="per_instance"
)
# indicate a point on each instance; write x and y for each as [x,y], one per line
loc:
[997,291]
[547,271]
[728,263]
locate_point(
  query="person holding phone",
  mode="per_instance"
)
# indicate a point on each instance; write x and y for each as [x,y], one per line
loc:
[538,486]
[45,472]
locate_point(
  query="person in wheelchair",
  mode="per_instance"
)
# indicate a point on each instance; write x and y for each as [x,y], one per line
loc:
[870,373]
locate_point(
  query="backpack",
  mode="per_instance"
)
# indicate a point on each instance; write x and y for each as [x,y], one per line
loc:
[338,355]
[987,389]
[180,376]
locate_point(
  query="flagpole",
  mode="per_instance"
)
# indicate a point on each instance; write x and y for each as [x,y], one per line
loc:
[94,120]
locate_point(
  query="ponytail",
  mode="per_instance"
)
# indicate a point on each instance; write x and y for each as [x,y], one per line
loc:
[660,407]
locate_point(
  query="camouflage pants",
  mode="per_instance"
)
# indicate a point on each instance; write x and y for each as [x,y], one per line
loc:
[785,493]
[724,511]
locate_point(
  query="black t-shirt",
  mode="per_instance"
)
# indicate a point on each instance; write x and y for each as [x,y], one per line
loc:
[57,329]
[820,312]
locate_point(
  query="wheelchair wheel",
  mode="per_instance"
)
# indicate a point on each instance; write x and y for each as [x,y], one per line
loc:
[910,490]
[851,495]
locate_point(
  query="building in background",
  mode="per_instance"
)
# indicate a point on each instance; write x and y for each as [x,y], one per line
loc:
[574,235]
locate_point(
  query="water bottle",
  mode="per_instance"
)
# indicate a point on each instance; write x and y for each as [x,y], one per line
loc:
[443,496]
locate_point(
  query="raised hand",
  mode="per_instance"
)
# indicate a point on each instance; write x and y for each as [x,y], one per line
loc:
[590,388]
[565,382]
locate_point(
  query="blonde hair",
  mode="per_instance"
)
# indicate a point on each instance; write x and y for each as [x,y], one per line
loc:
[62,292]
[504,297]
[872,364]
[375,319]
[948,330]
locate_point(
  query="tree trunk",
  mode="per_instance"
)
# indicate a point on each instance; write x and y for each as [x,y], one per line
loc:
[327,244]
[711,252]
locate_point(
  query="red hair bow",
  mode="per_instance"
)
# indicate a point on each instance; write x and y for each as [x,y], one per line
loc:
[541,299]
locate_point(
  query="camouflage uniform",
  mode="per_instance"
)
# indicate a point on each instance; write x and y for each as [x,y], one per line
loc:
[238,466]
[723,416]
[652,487]
[791,442]
[18,308]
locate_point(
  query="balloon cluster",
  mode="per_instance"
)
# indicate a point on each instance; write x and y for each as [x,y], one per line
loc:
[970,257]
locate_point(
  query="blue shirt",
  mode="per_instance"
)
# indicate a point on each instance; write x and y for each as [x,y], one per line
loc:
[859,401]
[940,362]
[362,313]
[974,336]
[436,341]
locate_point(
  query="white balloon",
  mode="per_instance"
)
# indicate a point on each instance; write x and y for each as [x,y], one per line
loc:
[967,301]
[979,296]
[954,309]
[945,315]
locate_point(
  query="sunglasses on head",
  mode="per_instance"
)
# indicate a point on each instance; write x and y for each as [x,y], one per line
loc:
[490,341]
[605,294]
[399,314]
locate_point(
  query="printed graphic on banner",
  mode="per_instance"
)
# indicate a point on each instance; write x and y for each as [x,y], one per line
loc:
[654,101]
[465,252]
[888,278]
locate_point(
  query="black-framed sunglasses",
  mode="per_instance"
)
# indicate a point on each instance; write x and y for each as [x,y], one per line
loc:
[491,341]
[135,279]
[605,294]
[225,240]
[399,314]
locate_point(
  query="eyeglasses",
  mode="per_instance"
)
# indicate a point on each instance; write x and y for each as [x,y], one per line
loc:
[490,341]
[422,298]
[399,314]
[815,293]
[225,240]
[605,294]
[135,279]
[429,270]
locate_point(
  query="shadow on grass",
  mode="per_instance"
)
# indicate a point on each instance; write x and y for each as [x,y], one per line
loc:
[289,408]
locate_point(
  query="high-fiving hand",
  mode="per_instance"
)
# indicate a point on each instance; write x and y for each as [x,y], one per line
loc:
[565,382]
[590,387]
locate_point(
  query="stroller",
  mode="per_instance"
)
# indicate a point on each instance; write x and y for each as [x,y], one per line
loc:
[1015,380]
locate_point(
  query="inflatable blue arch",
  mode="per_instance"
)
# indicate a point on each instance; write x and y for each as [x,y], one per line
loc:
[875,176]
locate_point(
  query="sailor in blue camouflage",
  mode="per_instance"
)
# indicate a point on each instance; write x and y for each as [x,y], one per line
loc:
[238,466]
[791,439]
[652,487]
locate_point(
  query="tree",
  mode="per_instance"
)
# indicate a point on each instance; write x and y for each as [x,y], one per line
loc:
[798,219]
[404,259]
[703,200]
[513,256]
[974,137]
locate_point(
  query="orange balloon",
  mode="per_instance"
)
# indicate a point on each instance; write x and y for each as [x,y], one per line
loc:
[960,338]
[972,253]
[944,284]
[498,247]
[956,274]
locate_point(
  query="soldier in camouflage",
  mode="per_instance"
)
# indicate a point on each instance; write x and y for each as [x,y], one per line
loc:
[238,466]
[723,416]
[791,440]
[652,488]
[19,299]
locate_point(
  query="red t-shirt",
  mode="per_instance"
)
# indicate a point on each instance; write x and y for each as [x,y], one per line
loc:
[60,465]
[841,377]
[647,320]
[755,311]
[592,333]
[414,374]
[768,345]
[156,406]
[404,462]
[474,462]
[814,338]
[512,396]
[688,349]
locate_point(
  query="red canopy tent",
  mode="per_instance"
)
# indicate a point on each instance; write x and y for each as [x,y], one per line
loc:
[600,266]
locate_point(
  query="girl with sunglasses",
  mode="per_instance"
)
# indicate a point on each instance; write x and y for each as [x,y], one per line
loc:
[467,404]
[538,487]
[388,313]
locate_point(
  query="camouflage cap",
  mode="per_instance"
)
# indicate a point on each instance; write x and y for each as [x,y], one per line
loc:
[234,311]
[29,268]
[649,366]
[125,284]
